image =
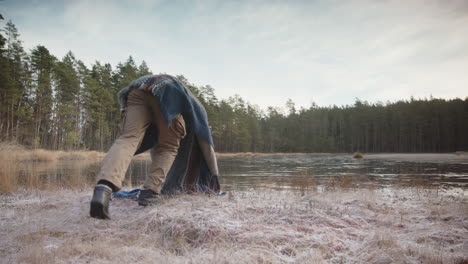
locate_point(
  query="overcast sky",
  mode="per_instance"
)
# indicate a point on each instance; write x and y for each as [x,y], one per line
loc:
[327,52]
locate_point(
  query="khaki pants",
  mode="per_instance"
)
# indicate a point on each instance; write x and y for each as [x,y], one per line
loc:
[142,110]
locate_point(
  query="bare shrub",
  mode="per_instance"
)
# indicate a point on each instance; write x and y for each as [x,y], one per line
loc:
[358,155]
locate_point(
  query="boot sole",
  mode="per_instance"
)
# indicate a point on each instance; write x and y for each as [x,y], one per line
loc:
[97,211]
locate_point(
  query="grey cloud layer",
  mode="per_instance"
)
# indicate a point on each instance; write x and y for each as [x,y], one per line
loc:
[324,51]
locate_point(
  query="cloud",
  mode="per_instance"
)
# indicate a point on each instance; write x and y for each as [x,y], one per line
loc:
[329,52]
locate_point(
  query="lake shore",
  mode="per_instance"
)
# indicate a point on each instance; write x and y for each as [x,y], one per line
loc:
[459,158]
[413,225]
[12,151]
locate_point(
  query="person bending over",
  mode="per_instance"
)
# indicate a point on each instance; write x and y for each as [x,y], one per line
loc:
[161,115]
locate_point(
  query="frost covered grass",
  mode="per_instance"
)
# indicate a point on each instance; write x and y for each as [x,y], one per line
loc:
[334,226]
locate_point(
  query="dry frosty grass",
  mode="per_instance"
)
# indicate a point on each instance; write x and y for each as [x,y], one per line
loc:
[338,226]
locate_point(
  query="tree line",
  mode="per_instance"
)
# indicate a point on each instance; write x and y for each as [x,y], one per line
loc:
[53,103]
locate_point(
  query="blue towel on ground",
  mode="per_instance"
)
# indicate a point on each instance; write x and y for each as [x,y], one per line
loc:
[127,194]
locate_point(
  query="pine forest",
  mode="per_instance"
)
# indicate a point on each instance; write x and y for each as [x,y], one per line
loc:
[62,104]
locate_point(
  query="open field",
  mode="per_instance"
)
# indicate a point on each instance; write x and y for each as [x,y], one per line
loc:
[413,225]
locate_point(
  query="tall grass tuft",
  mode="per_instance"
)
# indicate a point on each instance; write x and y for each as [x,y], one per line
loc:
[358,155]
[340,182]
[8,173]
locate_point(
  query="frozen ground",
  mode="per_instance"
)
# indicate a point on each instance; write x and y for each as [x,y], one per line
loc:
[332,226]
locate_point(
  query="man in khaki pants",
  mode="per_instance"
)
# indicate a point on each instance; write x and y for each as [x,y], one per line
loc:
[141,110]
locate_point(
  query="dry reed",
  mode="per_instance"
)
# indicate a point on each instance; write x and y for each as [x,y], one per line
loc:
[19,153]
[8,173]
[22,168]
[340,182]
[358,155]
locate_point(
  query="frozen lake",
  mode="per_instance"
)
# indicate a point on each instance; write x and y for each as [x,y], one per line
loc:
[290,171]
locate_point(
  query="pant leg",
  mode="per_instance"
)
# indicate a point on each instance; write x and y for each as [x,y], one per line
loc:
[164,153]
[137,118]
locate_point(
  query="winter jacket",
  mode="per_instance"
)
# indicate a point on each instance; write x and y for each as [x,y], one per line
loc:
[195,167]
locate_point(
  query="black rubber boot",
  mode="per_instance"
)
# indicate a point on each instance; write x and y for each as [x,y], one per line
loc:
[148,197]
[100,202]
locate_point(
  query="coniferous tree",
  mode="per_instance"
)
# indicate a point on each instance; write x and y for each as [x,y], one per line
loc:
[13,90]
[67,99]
[64,105]
[42,65]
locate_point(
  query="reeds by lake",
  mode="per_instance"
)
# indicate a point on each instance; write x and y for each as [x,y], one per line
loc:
[358,155]
[23,168]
